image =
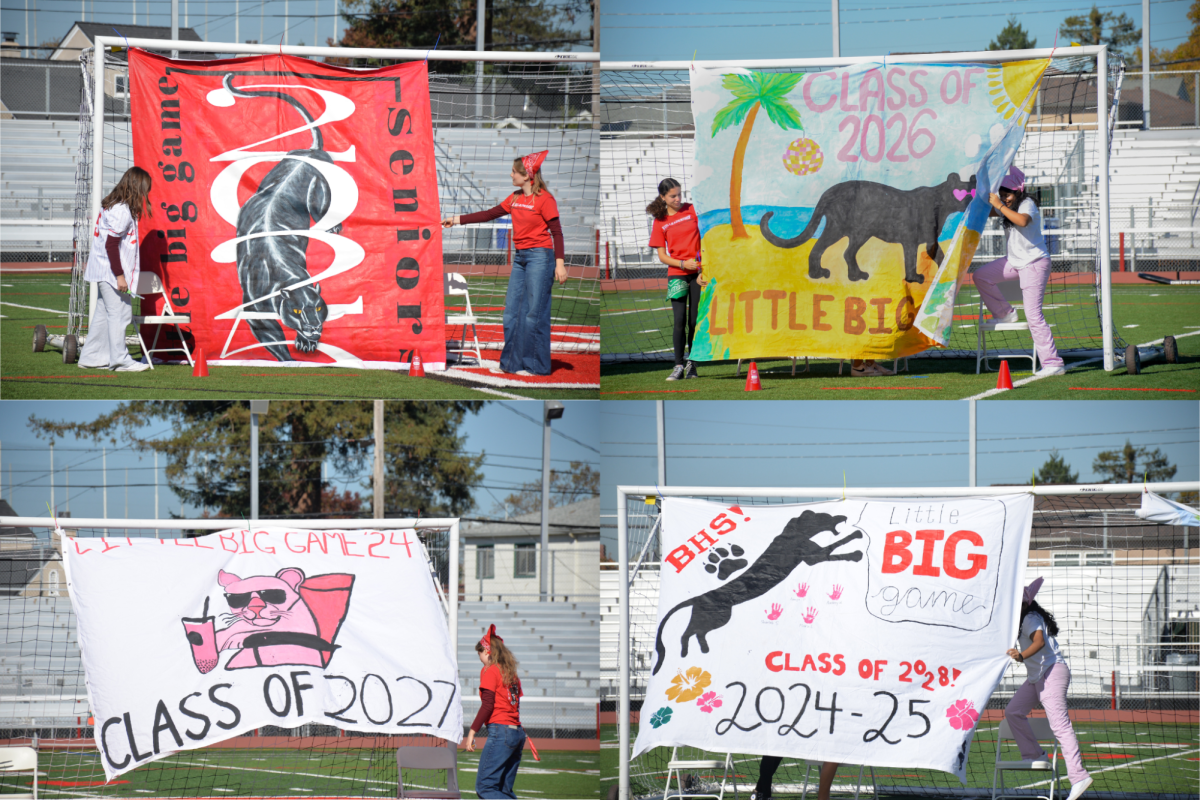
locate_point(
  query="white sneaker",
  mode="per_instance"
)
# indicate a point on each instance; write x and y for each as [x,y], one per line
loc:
[133,366]
[92,366]
[1079,788]
[1007,319]
[524,372]
[1046,372]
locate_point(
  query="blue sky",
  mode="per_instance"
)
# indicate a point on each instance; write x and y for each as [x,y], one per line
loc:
[264,21]
[513,444]
[879,444]
[636,30]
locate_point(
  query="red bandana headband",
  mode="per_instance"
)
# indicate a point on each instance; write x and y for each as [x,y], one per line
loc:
[486,641]
[533,162]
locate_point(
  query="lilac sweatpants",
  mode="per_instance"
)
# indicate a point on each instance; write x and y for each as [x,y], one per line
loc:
[1033,286]
[1052,691]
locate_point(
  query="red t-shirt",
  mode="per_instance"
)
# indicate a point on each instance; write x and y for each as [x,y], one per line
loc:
[507,710]
[530,215]
[680,234]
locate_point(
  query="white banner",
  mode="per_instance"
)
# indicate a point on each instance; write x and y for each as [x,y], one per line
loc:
[861,632]
[188,642]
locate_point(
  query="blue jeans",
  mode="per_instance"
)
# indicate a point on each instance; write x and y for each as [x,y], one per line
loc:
[499,761]
[527,312]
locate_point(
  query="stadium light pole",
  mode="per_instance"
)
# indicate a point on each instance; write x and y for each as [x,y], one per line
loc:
[971,455]
[480,17]
[837,32]
[52,505]
[1146,64]
[174,29]
[257,408]
[378,500]
[551,410]
[661,421]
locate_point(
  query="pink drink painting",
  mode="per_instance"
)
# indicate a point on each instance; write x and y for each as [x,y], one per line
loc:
[202,636]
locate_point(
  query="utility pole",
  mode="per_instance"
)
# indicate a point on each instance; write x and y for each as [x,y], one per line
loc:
[971,456]
[1146,64]
[156,484]
[378,503]
[257,408]
[551,410]
[480,44]
[104,478]
[174,38]
[53,507]
[837,32]
[660,413]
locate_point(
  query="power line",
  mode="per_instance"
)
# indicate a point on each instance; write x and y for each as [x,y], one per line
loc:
[912,441]
[553,430]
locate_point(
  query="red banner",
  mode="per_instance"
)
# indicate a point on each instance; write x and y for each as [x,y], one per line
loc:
[295,208]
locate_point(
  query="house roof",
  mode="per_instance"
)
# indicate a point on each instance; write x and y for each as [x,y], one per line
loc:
[7,510]
[93,29]
[581,518]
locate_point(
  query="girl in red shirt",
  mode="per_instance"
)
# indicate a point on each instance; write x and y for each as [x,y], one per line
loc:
[500,709]
[538,261]
[676,236]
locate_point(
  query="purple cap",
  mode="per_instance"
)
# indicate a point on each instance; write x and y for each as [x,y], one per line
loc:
[1014,180]
[1031,591]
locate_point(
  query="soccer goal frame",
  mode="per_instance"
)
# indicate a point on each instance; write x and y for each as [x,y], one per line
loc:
[628,562]
[93,108]
[1106,117]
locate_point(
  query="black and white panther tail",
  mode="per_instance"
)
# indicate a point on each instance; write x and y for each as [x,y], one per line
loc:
[318,139]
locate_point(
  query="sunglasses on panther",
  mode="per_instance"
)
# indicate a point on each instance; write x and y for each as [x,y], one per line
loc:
[270,596]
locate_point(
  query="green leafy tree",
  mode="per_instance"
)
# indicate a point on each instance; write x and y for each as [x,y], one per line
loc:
[207,449]
[1056,471]
[1133,465]
[452,24]
[1097,27]
[750,93]
[566,486]
[1013,36]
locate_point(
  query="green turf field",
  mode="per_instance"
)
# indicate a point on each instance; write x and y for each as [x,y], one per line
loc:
[215,772]
[1142,314]
[28,375]
[1144,759]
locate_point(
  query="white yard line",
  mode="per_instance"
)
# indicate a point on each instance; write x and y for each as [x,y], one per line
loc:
[1126,765]
[33,308]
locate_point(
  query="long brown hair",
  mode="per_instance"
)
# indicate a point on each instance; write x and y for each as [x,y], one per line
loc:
[503,658]
[539,185]
[658,206]
[133,190]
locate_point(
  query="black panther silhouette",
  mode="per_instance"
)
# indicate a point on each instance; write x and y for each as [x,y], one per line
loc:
[291,194]
[787,551]
[862,210]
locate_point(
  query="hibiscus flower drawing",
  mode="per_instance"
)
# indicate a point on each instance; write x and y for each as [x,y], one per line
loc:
[708,701]
[686,686]
[962,715]
[661,717]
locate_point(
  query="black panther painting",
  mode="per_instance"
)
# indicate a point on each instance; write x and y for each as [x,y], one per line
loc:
[862,210]
[292,193]
[792,547]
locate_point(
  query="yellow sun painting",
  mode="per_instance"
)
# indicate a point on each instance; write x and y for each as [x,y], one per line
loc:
[1011,85]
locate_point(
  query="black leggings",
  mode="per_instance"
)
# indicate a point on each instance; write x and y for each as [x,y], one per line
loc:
[685,310]
[766,773]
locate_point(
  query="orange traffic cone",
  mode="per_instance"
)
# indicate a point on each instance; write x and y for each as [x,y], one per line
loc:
[752,382]
[199,364]
[1005,380]
[416,368]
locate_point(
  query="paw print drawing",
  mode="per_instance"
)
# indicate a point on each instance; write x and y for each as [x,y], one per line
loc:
[837,592]
[810,615]
[724,565]
[774,612]
[802,591]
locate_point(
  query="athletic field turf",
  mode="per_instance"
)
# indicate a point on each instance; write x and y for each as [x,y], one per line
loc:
[29,300]
[1142,314]
[1146,759]
[218,772]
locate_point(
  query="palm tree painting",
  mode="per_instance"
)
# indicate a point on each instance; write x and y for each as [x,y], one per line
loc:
[750,92]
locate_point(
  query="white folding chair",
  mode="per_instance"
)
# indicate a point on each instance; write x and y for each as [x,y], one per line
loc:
[986,326]
[456,286]
[20,759]
[432,758]
[811,765]
[675,765]
[1041,731]
[149,284]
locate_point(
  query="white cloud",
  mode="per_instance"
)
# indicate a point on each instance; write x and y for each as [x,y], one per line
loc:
[974,142]
[704,101]
[996,133]
[703,171]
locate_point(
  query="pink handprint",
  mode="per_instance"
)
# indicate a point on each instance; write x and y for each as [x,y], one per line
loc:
[837,592]
[810,615]
[802,591]
[774,612]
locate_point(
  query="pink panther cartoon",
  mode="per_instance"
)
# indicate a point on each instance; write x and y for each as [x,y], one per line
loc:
[274,619]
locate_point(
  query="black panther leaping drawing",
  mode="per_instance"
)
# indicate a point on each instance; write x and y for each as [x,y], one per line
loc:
[290,195]
[787,551]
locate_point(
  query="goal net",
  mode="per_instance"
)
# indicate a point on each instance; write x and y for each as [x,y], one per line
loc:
[45,699]
[648,134]
[1125,593]
[482,121]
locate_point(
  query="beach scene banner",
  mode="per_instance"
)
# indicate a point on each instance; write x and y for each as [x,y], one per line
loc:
[840,210]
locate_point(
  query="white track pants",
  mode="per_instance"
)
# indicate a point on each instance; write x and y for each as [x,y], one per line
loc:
[105,346]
